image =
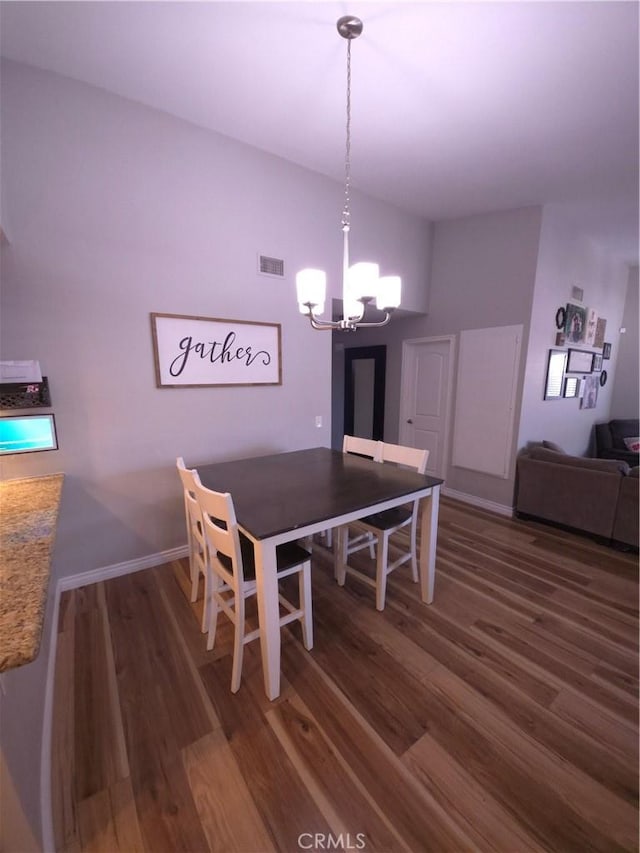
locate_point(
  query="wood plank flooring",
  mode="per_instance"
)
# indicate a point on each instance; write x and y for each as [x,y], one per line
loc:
[504,717]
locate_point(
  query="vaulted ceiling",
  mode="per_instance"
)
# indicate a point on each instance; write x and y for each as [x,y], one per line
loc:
[458,108]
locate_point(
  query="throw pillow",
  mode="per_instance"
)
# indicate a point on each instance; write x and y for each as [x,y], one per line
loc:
[550,445]
[632,444]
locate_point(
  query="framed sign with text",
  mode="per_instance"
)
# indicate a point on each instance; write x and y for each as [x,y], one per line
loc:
[193,351]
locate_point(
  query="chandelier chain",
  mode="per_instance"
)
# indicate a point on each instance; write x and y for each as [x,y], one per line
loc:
[346,212]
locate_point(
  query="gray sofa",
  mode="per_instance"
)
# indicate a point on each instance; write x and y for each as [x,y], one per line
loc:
[597,496]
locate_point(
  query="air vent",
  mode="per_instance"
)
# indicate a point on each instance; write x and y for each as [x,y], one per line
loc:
[271,266]
[577,293]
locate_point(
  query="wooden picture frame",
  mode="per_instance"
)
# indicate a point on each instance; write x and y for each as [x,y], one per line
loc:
[580,361]
[191,351]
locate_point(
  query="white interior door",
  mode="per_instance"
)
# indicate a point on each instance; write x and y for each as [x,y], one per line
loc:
[425,403]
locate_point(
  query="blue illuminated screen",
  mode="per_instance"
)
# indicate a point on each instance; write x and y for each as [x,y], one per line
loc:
[27,434]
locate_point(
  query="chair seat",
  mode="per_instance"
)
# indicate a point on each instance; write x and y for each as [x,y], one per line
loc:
[288,555]
[388,518]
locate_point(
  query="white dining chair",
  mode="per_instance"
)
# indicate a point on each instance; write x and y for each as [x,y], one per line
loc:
[231,561]
[381,527]
[195,539]
[360,447]
[371,449]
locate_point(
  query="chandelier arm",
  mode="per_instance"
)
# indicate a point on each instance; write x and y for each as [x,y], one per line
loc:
[324,325]
[345,325]
[316,322]
[387,318]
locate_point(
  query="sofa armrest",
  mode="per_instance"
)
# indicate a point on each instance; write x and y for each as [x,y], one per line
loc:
[604,441]
[625,527]
[574,495]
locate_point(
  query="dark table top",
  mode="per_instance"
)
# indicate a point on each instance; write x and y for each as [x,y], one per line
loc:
[285,491]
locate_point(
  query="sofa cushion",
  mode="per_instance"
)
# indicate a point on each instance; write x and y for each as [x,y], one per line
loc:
[635,472]
[632,443]
[621,429]
[609,466]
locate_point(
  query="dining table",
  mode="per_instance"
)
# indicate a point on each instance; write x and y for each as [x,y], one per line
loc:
[281,497]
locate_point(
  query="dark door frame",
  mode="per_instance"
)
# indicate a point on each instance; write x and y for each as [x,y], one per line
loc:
[379,356]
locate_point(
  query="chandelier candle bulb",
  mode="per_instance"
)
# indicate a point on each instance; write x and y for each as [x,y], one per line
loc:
[363,281]
[360,282]
[389,289]
[311,286]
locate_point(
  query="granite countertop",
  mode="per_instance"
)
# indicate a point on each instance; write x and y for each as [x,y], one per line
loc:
[28,516]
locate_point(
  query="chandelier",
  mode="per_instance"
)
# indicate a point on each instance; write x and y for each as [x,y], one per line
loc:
[361,283]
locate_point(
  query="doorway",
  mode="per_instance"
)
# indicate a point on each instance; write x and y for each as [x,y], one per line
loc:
[364,385]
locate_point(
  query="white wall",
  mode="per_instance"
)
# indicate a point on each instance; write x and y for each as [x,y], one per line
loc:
[113,211]
[15,832]
[568,258]
[21,735]
[624,396]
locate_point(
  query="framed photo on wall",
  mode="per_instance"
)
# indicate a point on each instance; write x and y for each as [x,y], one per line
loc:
[590,395]
[555,374]
[575,323]
[590,328]
[579,361]
[571,386]
[598,341]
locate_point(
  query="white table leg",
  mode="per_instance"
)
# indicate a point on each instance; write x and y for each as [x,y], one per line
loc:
[269,616]
[428,539]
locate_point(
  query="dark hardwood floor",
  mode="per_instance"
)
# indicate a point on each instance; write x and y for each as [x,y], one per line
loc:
[504,717]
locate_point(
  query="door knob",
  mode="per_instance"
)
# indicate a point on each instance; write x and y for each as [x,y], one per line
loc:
[409,421]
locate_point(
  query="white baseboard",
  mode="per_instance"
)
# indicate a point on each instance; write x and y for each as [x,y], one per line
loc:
[490,506]
[118,569]
[73,582]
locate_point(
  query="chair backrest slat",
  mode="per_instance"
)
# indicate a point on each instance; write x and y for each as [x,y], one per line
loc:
[362,446]
[192,508]
[221,530]
[412,457]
